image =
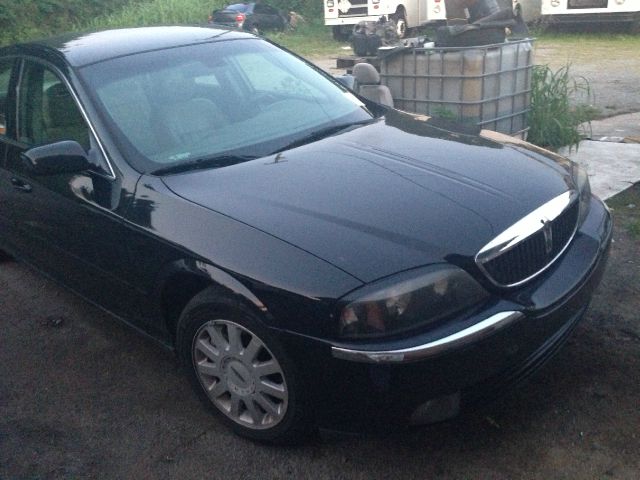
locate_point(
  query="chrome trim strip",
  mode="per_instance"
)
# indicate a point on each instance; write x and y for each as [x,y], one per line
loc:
[523,229]
[463,337]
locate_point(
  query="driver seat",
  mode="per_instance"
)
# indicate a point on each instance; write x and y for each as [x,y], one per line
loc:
[189,119]
[368,84]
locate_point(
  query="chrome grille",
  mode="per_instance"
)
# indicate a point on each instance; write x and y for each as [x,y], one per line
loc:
[356,8]
[578,4]
[531,245]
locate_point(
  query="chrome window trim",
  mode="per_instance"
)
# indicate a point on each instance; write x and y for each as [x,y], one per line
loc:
[468,335]
[521,230]
[111,173]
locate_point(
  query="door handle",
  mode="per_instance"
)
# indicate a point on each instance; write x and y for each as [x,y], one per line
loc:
[21,185]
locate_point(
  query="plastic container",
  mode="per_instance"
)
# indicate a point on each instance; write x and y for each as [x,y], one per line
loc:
[489,86]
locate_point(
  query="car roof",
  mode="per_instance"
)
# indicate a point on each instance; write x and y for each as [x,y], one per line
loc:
[80,49]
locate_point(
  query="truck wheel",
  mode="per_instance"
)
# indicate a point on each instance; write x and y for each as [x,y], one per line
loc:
[339,34]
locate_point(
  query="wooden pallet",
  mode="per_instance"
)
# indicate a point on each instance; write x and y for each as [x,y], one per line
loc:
[347,62]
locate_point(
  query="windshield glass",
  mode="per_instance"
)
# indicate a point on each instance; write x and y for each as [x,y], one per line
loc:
[240,97]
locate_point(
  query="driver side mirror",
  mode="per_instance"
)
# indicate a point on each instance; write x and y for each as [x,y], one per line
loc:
[56,158]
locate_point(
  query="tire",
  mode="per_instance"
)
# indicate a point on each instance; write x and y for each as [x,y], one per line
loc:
[241,371]
[5,257]
[253,29]
[339,34]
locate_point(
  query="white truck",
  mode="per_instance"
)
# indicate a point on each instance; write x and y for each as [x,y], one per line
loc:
[592,11]
[342,15]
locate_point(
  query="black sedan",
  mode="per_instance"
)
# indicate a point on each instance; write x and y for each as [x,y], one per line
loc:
[252,17]
[313,258]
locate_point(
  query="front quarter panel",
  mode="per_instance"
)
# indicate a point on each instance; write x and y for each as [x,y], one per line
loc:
[295,288]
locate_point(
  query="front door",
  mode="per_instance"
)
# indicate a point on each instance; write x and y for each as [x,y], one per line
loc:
[69,224]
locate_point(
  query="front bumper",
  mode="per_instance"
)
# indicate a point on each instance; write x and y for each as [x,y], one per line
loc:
[368,386]
[591,18]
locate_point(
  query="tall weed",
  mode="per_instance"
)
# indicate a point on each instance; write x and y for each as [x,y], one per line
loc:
[156,12]
[560,105]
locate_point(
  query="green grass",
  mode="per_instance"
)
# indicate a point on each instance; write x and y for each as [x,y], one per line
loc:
[25,20]
[310,39]
[588,39]
[155,12]
[555,120]
[627,209]
[587,46]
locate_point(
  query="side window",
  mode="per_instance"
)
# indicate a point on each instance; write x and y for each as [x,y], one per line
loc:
[47,111]
[5,78]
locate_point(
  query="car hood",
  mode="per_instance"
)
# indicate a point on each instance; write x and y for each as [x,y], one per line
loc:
[385,197]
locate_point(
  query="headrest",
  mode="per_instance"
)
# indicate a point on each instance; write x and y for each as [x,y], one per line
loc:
[177,89]
[366,74]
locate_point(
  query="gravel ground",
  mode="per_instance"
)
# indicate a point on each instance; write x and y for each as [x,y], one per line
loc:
[613,75]
[82,396]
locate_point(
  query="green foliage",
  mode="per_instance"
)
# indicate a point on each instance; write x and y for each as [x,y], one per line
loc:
[308,39]
[28,19]
[559,105]
[25,19]
[310,9]
[156,12]
[445,113]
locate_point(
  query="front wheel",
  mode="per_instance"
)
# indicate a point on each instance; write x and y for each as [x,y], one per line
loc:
[239,368]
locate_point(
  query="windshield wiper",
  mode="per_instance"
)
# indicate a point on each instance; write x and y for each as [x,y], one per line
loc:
[322,133]
[202,163]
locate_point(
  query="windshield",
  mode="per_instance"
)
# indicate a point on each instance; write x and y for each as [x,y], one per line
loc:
[241,97]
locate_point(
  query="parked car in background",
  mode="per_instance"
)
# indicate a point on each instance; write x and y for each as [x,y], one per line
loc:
[252,17]
[313,257]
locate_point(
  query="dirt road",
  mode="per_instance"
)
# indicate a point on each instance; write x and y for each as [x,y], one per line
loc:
[82,396]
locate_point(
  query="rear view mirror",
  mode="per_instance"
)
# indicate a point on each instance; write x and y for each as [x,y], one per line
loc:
[60,157]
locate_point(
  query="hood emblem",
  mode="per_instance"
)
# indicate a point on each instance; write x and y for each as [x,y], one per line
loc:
[547,231]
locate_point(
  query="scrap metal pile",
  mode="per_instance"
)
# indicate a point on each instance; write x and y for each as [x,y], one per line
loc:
[469,23]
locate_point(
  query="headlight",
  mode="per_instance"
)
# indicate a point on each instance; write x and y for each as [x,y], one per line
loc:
[407,301]
[581,179]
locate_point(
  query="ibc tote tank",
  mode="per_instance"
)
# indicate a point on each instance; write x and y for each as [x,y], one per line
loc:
[489,86]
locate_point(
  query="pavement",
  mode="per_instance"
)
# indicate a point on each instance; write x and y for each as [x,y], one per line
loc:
[611,155]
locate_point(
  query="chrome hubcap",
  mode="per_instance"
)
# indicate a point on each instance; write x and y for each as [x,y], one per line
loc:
[240,375]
